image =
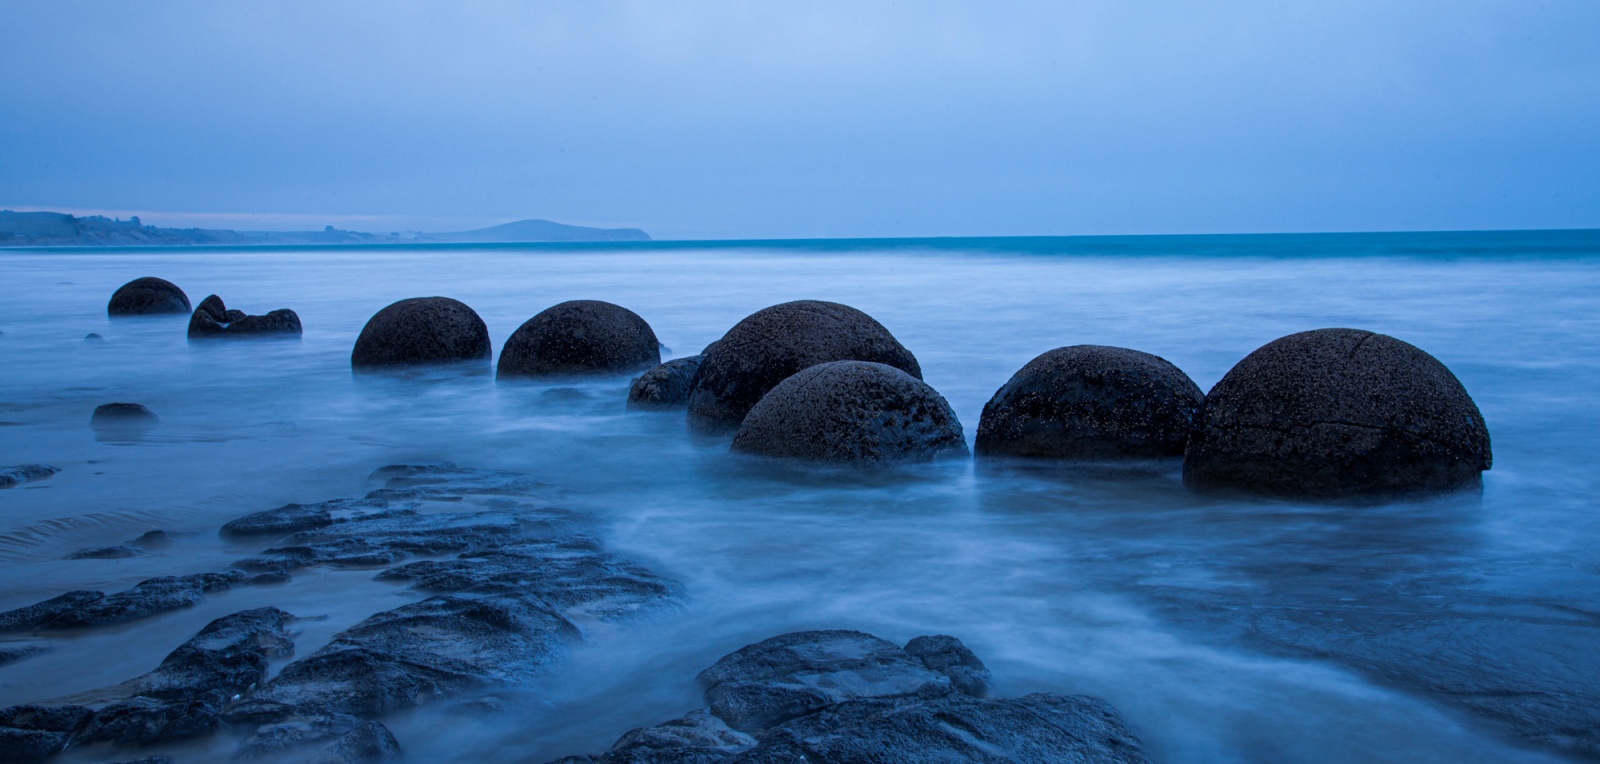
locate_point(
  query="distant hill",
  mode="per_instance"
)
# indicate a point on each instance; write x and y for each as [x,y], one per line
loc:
[45,229]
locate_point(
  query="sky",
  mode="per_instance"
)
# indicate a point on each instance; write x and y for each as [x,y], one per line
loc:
[807,119]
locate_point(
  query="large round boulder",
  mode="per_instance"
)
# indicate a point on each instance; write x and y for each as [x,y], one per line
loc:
[1091,402]
[1338,413]
[852,411]
[666,386]
[147,296]
[580,337]
[773,344]
[422,330]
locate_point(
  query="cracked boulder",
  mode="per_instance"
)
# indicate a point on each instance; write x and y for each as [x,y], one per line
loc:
[855,412]
[1338,413]
[774,343]
[213,319]
[1091,402]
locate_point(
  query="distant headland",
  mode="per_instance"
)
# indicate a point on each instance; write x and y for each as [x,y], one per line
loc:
[58,229]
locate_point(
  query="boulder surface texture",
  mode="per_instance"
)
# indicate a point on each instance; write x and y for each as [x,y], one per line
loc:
[839,697]
[580,337]
[1338,413]
[666,386]
[852,411]
[147,296]
[773,344]
[422,330]
[1091,402]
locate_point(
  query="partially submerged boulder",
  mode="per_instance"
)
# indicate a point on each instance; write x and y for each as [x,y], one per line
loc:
[666,386]
[123,416]
[11,477]
[147,296]
[422,330]
[1091,402]
[213,319]
[773,344]
[852,411]
[1336,413]
[840,697]
[580,337]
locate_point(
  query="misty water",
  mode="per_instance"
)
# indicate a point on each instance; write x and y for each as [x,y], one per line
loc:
[1459,628]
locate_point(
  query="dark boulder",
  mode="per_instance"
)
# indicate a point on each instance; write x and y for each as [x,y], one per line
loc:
[852,411]
[422,330]
[666,386]
[843,697]
[213,319]
[10,477]
[773,344]
[1338,413]
[1091,402]
[147,296]
[580,337]
[123,416]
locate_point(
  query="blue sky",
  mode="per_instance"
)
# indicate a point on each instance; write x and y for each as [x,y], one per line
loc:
[772,119]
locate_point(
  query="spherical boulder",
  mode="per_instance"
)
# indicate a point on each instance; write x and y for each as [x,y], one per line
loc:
[1338,413]
[852,411]
[666,386]
[422,330]
[773,344]
[1091,402]
[580,337]
[146,296]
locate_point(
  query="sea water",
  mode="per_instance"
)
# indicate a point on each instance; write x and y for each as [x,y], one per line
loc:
[1223,629]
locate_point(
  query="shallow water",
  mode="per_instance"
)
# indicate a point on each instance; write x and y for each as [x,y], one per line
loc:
[1225,630]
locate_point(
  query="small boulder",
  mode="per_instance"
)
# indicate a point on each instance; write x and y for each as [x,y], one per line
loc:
[1091,402]
[666,386]
[11,477]
[123,416]
[213,319]
[773,344]
[852,411]
[580,337]
[422,330]
[147,296]
[1338,413]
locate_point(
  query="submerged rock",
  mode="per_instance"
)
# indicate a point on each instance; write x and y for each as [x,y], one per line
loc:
[580,337]
[1338,413]
[852,411]
[422,330]
[148,295]
[34,733]
[213,319]
[666,386]
[117,416]
[1091,402]
[839,697]
[84,609]
[119,552]
[11,477]
[773,344]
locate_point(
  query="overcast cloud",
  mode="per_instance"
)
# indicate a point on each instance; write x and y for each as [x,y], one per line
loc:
[729,120]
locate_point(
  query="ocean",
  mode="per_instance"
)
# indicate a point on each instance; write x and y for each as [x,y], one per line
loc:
[1459,628]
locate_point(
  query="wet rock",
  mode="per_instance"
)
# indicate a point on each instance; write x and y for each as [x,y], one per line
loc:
[156,539]
[213,319]
[13,652]
[580,337]
[773,344]
[93,338]
[183,697]
[765,684]
[845,696]
[34,733]
[1338,413]
[11,477]
[948,656]
[119,552]
[852,411]
[1091,402]
[369,742]
[77,610]
[286,519]
[119,416]
[666,386]
[148,295]
[36,615]
[422,330]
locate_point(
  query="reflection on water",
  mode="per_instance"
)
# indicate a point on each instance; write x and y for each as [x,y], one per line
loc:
[1453,629]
